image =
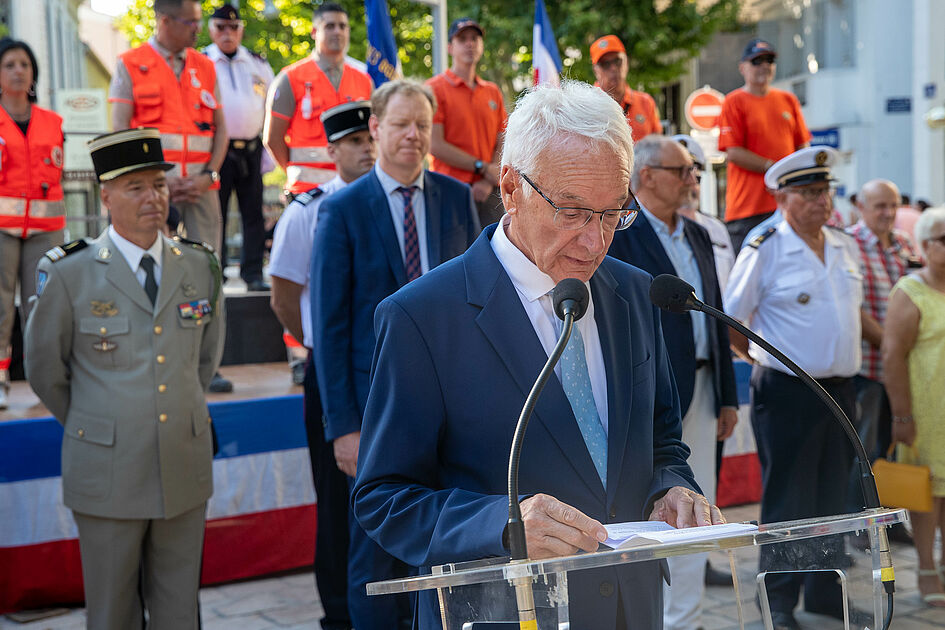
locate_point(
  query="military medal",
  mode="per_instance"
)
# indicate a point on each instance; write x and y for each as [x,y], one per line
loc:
[104,345]
[196,310]
[803,298]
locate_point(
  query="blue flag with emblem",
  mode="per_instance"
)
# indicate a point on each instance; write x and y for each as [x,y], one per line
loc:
[382,61]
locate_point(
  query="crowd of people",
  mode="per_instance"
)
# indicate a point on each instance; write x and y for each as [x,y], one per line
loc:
[384,272]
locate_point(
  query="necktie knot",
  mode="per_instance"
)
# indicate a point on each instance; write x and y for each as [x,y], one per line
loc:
[407,193]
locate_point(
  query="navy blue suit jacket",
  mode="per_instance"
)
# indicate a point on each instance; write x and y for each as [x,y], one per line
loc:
[641,247]
[455,360]
[356,263]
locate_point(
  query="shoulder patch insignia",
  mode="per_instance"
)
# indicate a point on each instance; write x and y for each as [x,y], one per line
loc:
[61,251]
[309,196]
[761,238]
[196,244]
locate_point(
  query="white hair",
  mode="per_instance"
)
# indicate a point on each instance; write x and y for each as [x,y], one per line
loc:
[544,115]
[926,222]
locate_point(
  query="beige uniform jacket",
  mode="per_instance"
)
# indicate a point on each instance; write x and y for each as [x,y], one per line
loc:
[126,379]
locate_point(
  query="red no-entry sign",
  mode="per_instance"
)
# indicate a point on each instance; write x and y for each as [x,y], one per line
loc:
[703,108]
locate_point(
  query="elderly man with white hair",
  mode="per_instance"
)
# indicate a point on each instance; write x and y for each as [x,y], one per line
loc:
[459,348]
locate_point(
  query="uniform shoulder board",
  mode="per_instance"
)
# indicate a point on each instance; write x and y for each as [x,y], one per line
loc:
[61,251]
[196,244]
[308,197]
[761,238]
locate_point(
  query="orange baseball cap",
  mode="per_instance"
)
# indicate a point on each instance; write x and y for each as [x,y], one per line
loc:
[604,45]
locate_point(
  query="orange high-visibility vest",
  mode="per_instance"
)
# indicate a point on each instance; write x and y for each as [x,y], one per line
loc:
[309,164]
[182,109]
[30,174]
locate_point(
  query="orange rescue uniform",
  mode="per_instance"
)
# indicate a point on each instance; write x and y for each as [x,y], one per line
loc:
[471,119]
[309,163]
[771,126]
[640,110]
[182,109]
[30,174]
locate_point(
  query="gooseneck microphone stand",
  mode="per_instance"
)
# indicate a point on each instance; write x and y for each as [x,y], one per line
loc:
[673,294]
[570,298]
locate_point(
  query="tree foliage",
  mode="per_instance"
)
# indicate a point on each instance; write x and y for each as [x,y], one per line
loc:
[661,36]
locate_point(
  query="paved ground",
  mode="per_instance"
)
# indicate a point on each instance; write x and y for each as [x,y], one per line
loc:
[290,601]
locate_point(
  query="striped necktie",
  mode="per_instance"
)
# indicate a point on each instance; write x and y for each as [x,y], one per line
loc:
[576,382]
[411,240]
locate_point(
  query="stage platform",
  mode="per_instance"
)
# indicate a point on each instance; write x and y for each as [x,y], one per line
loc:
[260,520]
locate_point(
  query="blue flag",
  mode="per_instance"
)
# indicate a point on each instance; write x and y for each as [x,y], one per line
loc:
[382,61]
[546,62]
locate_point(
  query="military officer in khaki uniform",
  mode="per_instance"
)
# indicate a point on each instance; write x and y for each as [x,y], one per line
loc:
[125,335]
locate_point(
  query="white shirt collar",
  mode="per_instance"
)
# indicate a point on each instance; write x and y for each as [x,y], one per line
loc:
[215,54]
[389,184]
[132,252]
[527,278]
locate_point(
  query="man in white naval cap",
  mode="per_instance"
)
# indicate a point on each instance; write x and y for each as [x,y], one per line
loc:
[799,286]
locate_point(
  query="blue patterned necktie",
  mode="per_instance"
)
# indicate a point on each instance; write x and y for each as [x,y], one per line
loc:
[411,241]
[577,387]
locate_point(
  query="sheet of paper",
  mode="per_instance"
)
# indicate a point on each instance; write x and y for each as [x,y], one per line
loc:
[620,535]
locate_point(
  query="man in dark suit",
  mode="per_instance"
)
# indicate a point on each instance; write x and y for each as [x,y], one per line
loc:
[385,229]
[661,240]
[458,351]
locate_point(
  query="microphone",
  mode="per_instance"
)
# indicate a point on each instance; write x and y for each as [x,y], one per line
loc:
[570,298]
[676,296]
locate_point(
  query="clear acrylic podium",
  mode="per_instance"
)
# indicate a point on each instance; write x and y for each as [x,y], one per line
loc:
[482,590]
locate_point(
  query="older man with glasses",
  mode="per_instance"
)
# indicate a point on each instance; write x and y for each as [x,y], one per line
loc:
[662,241]
[457,353]
[800,287]
[759,125]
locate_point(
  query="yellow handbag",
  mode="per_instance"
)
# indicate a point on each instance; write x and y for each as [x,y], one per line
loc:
[903,485]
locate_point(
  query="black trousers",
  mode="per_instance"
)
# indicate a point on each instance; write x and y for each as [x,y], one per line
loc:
[805,464]
[738,229]
[241,174]
[331,490]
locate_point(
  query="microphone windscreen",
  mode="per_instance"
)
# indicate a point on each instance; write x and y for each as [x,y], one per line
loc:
[671,293]
[574,290]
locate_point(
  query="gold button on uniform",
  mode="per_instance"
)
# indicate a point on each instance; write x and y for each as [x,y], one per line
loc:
[163,417]
[209,420]
[103,330]
[162,388]
[158,330]
[160,358]
[81,432]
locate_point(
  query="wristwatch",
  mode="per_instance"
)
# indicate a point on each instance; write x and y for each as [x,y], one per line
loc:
[477,166]
[214,176]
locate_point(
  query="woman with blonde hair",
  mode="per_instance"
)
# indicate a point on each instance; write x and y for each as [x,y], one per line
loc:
[914,366]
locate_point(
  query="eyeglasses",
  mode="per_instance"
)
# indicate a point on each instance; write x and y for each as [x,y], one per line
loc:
[757,61]
[682,172]
[222,26]
[938,239]
[576,218]
[813,194]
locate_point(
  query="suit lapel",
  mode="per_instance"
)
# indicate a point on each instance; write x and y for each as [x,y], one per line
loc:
[507,327]
[431,202]
[612,314]
[172,273]
[384,224]
[650,242]
[119,274]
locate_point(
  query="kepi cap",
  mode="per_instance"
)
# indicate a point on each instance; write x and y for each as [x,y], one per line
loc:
[806,166]
[127,151]
[689,143]
[462,23]
[226,12]
[344,119]
[604,45]
[756,48]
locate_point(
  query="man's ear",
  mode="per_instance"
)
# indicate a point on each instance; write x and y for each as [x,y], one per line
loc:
[509,183]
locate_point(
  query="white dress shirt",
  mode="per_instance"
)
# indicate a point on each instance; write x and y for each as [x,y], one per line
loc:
[243,81]
[396,202]
[534,287]
[291,256]
[808,309]
[133,255]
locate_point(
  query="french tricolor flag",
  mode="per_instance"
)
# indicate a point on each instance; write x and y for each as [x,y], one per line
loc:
[546,62]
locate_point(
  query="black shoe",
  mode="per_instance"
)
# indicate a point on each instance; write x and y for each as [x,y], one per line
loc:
[784,620]
[715,577]
[257,285]
[899,534]
[220,385]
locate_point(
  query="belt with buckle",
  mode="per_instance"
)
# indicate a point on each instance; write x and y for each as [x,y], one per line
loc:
[241,145]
